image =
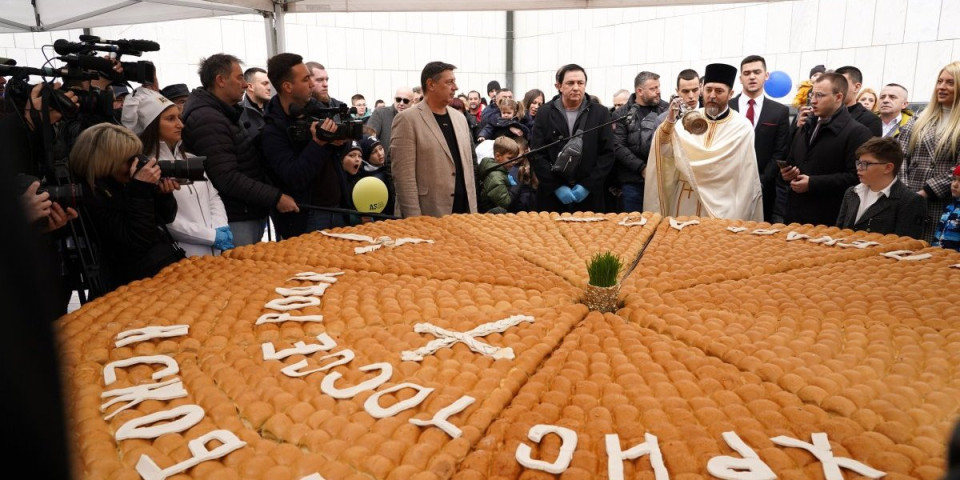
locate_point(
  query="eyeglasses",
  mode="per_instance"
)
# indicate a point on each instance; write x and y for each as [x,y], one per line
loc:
[402,100]
[865,165]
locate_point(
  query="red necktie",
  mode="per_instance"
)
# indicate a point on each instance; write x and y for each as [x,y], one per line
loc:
[750,111]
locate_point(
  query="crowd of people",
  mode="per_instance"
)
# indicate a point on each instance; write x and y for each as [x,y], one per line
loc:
[173,173]
[273,149]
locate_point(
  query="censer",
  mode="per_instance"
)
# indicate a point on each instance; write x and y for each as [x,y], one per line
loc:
[693,121]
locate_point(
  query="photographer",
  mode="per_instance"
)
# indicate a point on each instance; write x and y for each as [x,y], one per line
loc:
[26,154]
[127,202]
[201,223]
[212,129]
[308,170]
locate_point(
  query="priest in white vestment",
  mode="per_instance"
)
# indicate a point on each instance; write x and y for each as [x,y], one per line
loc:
[709,174]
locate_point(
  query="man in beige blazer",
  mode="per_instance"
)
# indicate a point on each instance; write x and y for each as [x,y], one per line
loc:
[431,152]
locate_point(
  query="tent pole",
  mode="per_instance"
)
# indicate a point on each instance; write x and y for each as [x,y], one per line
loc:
[271,33]
[279,12]
[509,52]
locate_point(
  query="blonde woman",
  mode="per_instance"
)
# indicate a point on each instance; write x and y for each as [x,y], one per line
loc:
[868,98]
[127,202]
[931,147]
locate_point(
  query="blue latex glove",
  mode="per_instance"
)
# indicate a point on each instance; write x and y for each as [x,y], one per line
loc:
[565,195]
[579,193]
[224,239]
[511,181]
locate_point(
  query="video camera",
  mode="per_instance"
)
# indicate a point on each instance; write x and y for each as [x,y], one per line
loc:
[78,68]
[185,171]
[140,71]
[299,130]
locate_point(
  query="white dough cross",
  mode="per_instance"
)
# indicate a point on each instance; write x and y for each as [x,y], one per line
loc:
[375,244]
[447,338]
[681,225]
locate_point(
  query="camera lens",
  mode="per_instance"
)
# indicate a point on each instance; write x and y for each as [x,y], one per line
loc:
[68,195]
[190,169]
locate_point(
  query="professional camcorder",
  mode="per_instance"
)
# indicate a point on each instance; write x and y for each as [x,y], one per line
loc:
[299,130]
[185,171]
[140,71]
[79,68]
[67,195]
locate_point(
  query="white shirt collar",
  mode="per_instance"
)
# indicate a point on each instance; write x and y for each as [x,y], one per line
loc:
[863,189]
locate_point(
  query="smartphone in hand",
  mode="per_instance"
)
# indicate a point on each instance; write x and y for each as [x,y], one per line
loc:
[782,164]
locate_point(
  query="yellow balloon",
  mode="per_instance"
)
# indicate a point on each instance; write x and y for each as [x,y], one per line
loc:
[370,195]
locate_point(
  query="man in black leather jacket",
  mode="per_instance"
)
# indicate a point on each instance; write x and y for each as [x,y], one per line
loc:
[632,138]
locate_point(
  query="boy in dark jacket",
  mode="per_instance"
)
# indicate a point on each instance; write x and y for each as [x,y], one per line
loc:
[374,165]
[947,234]
[880,203]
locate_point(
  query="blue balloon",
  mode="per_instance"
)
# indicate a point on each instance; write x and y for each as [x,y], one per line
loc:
[778,84]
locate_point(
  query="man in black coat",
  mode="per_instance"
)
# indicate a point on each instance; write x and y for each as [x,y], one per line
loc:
[632,138]
[771,126]
[213,129]
[822,155]
[858,112]
[568,112]
[881,203]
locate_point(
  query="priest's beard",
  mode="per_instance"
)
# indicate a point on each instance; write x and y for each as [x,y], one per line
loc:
[712,109]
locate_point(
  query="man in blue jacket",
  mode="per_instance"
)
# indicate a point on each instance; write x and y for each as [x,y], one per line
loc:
[307,169]
[568,112]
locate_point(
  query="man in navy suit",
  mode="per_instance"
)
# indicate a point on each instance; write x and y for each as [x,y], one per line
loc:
[771,124]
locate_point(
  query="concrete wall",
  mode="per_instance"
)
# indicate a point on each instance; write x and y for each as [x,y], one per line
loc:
[369,53]
[899,41]
[902,41]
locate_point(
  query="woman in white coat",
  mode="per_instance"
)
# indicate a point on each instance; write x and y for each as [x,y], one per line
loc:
[200,226]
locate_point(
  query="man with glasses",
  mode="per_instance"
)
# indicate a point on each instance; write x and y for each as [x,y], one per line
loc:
[881,203]
[820,166]
[382,118]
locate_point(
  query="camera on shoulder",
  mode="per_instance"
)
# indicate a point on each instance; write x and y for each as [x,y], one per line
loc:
[299,130]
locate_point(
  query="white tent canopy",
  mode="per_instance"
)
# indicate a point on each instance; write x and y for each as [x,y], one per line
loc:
[22,16]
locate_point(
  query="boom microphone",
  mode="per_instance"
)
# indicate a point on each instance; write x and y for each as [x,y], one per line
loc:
[66,47]
[138,45]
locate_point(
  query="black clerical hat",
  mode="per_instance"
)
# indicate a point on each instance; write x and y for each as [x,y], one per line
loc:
[175,91]
[720,73]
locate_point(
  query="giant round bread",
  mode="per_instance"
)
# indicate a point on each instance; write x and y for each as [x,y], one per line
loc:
[460,348]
